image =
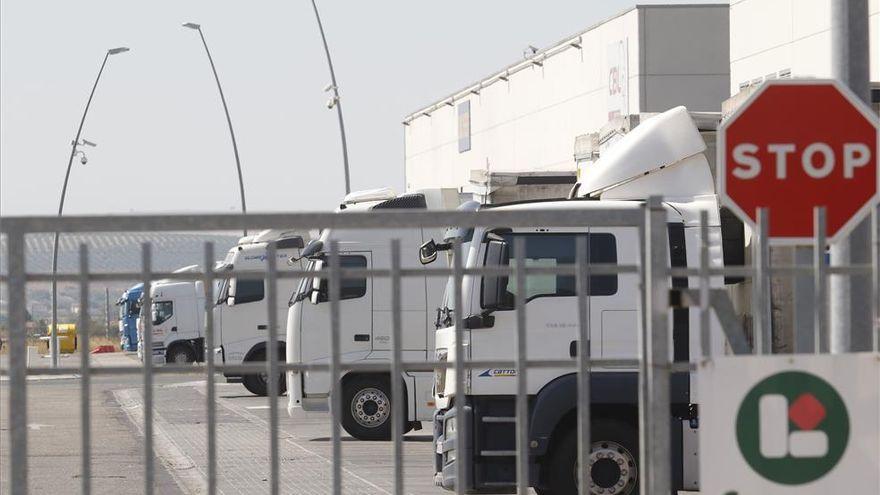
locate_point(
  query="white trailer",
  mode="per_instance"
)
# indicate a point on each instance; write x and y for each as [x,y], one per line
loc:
[241,313]
[178,315]
[365,312]
[664,155]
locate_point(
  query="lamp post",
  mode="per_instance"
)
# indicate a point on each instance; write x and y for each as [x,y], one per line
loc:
[334,100]
[53,338]
[197,27]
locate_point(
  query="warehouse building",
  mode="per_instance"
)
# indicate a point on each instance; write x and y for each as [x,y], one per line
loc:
[772,39]
[517,127]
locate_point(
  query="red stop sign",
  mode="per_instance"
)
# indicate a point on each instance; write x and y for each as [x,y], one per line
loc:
[793,146]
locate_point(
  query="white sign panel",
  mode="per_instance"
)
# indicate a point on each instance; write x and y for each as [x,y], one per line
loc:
[792,424]
[618,79]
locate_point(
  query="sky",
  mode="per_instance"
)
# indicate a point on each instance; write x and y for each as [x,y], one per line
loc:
[162,139]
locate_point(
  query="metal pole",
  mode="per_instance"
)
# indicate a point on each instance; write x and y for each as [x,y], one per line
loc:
[18,432]
[654,371]
[336,99]
[850,65]
[53,338]
[107,310]
[228,119]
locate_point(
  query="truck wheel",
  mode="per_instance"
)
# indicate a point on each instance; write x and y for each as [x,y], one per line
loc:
[367,406]
[613,464]
[180,354]
[258,384]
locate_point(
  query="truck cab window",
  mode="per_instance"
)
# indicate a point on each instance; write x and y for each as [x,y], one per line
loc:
[550,250]
[249,290]
[162,310]
[353,288]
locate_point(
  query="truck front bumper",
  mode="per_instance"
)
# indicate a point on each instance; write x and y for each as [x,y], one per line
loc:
[158,356]
[448,457]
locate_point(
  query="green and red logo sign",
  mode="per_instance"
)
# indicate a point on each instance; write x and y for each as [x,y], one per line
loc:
[792,428]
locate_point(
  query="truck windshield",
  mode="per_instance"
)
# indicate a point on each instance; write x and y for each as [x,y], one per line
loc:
[134,307]
[446,312]
[305,286]
[223,286]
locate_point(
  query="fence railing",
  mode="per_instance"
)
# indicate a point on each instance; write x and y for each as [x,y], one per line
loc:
[654,365]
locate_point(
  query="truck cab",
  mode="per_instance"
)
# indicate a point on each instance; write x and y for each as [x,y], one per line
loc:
[366,321]
[129,305]
[665,155]
[241,315]
[178,320]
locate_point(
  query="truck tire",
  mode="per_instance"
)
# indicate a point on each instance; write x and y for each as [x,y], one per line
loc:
[180,354]
[613,461]
[258,384]
[367,407]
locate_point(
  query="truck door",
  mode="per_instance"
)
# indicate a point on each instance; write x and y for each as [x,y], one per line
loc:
[551,310]
[355,311]
[243,317]
[164,321]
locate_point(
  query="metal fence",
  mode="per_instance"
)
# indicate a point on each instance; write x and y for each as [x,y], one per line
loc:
[654,367]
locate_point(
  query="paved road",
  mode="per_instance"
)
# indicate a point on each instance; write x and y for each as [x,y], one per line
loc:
[180,441]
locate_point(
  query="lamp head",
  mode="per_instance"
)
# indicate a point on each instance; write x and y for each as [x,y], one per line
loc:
[192,25]
[114,51]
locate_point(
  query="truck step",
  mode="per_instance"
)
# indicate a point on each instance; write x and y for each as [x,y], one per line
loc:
[498,453]
[498,419]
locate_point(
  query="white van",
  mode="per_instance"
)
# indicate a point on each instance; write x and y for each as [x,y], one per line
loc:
[365,312]
[240,313]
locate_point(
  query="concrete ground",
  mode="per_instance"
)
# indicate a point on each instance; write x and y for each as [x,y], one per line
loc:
[181,439]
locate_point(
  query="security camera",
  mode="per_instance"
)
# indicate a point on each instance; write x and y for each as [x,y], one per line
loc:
[331,102]
[84,160]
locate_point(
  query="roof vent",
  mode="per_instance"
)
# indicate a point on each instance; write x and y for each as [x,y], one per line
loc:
[368,195]
[405,201]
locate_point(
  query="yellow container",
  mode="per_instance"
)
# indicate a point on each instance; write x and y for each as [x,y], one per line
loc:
[66,337]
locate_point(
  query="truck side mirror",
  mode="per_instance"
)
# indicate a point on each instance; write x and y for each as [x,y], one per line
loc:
[428,252]
[495,286]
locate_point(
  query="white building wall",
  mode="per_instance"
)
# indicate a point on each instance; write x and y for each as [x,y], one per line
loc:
[772,36]
[674,56]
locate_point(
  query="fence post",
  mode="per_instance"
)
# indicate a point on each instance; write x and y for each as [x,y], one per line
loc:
[654,415]
[18,465]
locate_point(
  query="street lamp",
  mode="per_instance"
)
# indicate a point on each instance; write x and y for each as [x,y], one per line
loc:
[334,100]
[197,27]
[74,151]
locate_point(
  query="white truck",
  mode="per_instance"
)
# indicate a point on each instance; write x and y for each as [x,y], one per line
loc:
[241,313]
[365,312]
[664,155]
[178,316]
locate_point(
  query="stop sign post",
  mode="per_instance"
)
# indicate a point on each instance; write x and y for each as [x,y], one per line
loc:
[796,145]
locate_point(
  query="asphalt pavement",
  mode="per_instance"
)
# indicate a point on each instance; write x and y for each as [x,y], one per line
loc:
[180,439]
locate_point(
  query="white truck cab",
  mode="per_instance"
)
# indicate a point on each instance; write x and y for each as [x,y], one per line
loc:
[663,156]
[178,315]
[241,313]
[365,311]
